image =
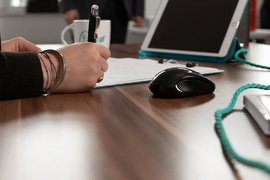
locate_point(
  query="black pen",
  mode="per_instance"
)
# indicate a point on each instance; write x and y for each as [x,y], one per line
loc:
[94,21]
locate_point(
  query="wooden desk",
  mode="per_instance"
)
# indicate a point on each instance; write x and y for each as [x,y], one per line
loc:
[122,133]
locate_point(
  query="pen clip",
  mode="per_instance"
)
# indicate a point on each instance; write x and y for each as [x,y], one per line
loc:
[97,26]
[95,13]
[93,23]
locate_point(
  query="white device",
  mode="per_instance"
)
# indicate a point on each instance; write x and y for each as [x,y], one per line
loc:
[194,27]
[259,108]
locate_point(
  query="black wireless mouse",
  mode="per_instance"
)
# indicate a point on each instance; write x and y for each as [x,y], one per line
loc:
[180,82]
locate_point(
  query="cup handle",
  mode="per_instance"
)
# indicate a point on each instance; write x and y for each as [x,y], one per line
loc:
[71,26]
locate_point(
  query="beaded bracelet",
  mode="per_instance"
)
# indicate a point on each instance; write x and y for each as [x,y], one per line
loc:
[56,77]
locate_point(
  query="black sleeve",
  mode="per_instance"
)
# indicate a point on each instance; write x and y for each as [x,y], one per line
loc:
[20,75]
[265,15]
[138,8]
[66,5]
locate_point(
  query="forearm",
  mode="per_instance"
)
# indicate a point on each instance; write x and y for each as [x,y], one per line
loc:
[20,75]
[24,75]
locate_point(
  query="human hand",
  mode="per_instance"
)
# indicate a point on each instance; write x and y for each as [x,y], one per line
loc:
[85,64]
[19,44]
[139,21]
[71,15]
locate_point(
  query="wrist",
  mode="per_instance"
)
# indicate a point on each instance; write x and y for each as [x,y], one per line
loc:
[44,64]
[53,68]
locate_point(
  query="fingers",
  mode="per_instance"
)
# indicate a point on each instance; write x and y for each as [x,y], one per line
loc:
[100,78]
[104,52]
[103,68]
[19,44]
[139,21]
[104,55]
[71,15]
[103,65]
[25,45]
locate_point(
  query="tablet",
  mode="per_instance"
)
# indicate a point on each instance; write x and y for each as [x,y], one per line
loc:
[194,27]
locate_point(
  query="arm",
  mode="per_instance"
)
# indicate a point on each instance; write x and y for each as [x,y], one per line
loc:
[23,75]
[138,13]
[138,8]
[20,75]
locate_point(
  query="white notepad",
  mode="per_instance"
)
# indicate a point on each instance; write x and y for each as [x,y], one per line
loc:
[131,70]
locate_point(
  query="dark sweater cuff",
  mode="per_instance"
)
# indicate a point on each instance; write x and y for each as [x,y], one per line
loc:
[21,75]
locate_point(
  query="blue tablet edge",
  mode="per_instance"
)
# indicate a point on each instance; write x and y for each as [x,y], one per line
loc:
[235,46]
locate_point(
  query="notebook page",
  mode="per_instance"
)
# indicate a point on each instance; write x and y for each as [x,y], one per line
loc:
[131,70]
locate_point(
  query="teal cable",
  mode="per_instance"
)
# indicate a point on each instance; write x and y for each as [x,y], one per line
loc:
[237,58]
[229,150]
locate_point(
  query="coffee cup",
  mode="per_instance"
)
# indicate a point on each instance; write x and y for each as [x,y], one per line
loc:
[79,29]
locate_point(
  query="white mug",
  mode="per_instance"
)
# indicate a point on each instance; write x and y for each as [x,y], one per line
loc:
[80,32]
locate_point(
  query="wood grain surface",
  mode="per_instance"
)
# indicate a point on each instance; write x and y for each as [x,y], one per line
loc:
[123,133]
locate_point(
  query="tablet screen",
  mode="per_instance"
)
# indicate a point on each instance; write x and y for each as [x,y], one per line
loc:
[193,25]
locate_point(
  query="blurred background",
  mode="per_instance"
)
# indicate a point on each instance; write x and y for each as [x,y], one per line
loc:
[41,22]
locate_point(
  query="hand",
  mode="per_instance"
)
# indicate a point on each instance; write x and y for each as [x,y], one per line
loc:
[139,21]
[19,44]
[85,64]
[71,15]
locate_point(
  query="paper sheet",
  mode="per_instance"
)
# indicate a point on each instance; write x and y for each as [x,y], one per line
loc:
[130,70]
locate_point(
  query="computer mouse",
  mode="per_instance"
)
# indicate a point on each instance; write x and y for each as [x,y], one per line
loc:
[178,82]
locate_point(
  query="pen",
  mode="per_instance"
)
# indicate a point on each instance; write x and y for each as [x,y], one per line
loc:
[94,21]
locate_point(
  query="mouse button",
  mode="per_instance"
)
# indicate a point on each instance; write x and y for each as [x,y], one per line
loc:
[168,92]
[191,71]
[194,86]
[158,76]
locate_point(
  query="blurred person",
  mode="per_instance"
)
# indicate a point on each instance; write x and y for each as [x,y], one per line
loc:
[118,11]
[41,6]
[265,15]
[26,71]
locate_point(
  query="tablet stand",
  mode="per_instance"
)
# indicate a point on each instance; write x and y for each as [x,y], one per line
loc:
[235,46]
